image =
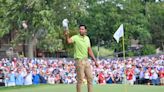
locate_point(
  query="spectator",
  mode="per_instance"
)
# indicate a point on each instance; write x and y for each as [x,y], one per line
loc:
[95,79]
[118,79]
[147,77]
[2,78]
[28,78]
[130,74]
[51,79]
[63,70]
[19,77]
[57,79]
[141,76]
[109,79]
[35,78]
[155,80]
[43,78]
[11,78]
[161,74]
[101,78]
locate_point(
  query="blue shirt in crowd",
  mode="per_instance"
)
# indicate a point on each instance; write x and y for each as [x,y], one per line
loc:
[19,79]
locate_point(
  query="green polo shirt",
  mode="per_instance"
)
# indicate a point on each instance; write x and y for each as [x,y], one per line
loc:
[81,44]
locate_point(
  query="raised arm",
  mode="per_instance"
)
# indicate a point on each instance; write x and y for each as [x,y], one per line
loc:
[68,39]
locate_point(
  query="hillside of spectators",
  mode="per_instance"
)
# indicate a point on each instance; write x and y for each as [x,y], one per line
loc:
[148,70]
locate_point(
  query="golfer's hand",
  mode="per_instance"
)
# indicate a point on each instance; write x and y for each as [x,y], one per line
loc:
[66,33]
[96,64]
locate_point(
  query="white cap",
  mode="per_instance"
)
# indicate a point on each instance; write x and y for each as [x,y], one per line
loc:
[129,66]
[65,23]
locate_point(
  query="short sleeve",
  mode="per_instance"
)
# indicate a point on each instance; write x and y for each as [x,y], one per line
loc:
[89,43]
[73,38]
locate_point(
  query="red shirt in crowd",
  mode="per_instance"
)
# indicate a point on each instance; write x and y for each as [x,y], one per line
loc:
[101,78]
[129,74]
[161,74]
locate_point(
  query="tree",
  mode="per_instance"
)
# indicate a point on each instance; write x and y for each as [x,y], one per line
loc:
[142,19]
[4,27]
[155,15]
[41,17]
[106,16]
[71,10]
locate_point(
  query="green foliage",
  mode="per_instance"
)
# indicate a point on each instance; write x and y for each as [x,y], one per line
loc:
[103,52]
[130,53]
[148,49]
[155,15]
[46,15]
[133,53]
[105,18]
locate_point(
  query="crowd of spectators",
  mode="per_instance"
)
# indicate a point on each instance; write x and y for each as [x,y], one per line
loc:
[147,70]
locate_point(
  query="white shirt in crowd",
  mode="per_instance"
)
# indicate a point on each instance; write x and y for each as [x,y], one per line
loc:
[28,79]
[154,75]
[147,75]
[51,80]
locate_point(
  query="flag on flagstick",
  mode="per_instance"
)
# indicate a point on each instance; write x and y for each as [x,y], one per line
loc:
[119,33]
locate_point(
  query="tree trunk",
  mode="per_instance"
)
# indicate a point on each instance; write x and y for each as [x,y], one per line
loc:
[31,44]
[30,49]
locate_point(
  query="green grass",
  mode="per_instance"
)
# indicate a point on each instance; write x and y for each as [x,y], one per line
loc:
[72,88]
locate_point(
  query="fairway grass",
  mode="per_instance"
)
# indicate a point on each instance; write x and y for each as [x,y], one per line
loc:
[72,88]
